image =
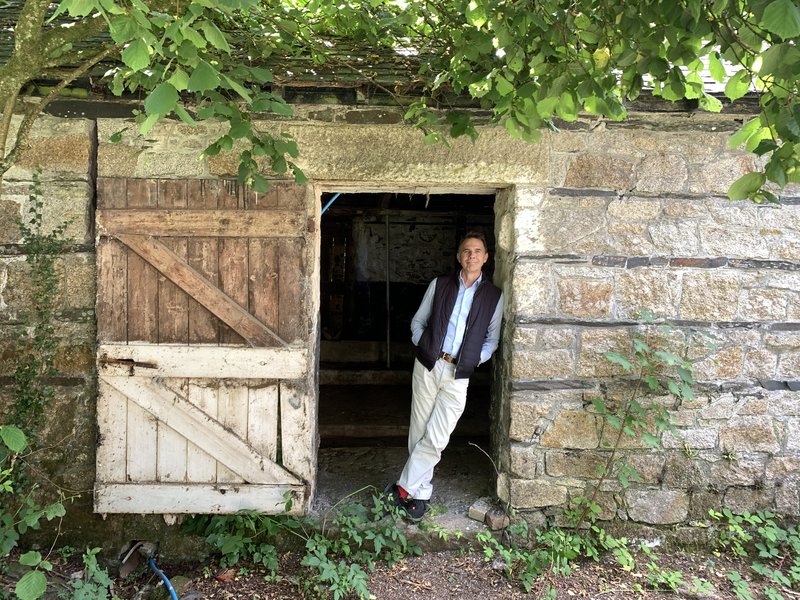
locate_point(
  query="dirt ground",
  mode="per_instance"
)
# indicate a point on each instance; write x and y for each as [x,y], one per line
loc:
[455,569]
[455,574]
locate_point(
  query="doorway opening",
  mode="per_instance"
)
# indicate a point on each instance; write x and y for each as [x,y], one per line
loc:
[379,252]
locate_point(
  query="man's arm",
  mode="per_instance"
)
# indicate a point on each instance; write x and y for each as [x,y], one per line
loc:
[493,333]
[423,314]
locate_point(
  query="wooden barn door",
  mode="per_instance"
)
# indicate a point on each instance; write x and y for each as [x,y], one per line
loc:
[207,322]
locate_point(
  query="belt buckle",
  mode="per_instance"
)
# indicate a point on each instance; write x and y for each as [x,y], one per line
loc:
[448,358]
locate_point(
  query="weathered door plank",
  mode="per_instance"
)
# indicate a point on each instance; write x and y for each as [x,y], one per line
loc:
[142,442]
[203,223]
[210,296]
[200,465]
[112,291]
[142,278]
[262,422]
[112,421]
[203,257]
[208,433]
[228,362]
[173,302]
[232,407]
[162,498]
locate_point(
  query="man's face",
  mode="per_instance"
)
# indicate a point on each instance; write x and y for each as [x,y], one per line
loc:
[472,255]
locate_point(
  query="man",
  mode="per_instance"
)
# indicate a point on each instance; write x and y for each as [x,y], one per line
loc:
[456,328]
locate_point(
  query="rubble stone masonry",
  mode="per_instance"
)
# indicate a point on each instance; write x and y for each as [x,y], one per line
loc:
[593,224]
[637,219]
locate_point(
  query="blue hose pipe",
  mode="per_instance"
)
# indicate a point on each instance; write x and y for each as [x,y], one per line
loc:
[164,578]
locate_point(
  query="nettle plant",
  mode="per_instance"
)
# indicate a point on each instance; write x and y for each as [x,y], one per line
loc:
[341,548]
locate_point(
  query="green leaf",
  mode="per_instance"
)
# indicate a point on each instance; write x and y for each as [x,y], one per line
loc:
[651,440]
[111,7]
[260,75]
[30,559]
[239,128]
[567,107]
[516,62]
[299,176]
[710,103]
[503,86]
[81,8]
[204,77]
[136,55]
[259,183]
[225,142]
[14,438]
[116,137]
[746,186]
[162,99]
[54,510]
[775,172]
[738,85]
[547,106]
[31,586]
[716,68]
[741,136]
[215,36]
[179,79]
[599,406]
[149,123]
[184,115]
[192,36]
[480,88]
[122,29]
[782,17]
[238,88]
[279,107]
[476,14]
[616,357]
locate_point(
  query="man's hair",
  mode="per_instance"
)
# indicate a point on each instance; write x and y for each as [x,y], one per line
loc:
[477,235]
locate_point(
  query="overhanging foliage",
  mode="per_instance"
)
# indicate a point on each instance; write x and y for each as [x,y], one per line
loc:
[528,63]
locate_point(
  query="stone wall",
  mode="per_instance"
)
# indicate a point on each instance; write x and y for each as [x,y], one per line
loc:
[637,219]
[65,150]
[592,224]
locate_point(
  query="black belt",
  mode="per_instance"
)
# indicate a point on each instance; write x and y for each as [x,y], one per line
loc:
[448,358]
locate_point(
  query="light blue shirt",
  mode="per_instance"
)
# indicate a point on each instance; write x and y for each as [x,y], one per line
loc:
[458,320]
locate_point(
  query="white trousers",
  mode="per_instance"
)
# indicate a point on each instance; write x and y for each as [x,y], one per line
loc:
[437,402]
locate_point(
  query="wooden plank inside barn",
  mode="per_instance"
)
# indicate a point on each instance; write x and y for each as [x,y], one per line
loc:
[207,337]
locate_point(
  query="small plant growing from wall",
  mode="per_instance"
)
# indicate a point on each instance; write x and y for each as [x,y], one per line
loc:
[660,377]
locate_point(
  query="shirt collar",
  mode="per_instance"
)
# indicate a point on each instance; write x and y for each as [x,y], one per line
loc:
[461,279]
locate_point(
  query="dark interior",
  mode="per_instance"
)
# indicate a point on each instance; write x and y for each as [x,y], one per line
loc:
[379,253]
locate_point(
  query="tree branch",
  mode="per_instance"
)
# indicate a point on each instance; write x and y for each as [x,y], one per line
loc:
[24,130]
[5,125]
[57,37]
[28,28]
